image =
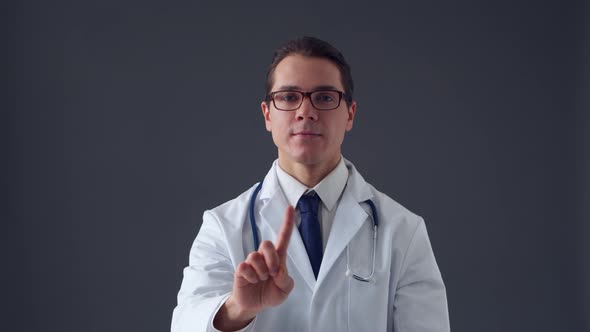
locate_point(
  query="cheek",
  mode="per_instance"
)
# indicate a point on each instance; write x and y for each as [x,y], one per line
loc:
[280,128]
[339,127]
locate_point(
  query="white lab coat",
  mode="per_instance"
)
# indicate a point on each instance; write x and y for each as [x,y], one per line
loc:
[407,294]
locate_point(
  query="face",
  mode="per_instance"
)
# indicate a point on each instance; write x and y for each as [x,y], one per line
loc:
[308,136]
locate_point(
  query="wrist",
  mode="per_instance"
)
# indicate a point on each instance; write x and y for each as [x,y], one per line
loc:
[231,316]
[236,312]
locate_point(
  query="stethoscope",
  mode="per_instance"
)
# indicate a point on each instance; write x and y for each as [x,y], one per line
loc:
[348,271]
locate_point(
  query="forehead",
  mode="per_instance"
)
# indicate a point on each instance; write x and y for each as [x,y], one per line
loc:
[306,73]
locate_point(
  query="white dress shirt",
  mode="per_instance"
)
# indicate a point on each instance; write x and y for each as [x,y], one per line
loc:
[329,190]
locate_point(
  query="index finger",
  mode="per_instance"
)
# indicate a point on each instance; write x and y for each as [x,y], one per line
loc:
[285,232]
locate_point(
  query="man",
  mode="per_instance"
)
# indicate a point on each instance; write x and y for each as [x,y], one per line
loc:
[327,251]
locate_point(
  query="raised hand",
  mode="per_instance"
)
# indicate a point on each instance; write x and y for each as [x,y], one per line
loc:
[261,281]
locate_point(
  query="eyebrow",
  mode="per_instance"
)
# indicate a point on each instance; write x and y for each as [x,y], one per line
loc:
[298,88]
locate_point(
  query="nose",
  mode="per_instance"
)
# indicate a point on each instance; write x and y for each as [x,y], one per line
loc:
[307,111]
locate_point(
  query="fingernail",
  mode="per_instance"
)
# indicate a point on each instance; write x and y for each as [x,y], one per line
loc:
[274,271]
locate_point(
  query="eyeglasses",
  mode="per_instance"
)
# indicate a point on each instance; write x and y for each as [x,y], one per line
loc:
[290,100]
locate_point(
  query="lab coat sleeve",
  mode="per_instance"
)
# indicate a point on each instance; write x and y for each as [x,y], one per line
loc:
[420,302]
[207,281]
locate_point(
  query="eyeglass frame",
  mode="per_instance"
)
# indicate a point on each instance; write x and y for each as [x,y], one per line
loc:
[341,95]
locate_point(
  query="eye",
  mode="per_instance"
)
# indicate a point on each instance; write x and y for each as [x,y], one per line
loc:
[325,97]
[287,97]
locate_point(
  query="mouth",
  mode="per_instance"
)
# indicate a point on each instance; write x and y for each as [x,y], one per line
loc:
[306,134]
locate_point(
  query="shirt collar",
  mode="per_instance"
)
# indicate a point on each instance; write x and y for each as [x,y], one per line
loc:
[329,189]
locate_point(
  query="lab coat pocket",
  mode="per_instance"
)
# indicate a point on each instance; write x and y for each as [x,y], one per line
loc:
[368,300]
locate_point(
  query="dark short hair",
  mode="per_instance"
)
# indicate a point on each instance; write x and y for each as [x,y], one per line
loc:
[317,48]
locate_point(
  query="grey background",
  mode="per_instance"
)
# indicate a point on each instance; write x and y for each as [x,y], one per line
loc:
[124,121]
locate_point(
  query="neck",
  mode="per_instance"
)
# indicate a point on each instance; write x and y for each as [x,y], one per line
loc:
[309,174]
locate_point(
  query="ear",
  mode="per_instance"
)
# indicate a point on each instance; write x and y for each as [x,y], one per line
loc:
[351,112]
[266,114]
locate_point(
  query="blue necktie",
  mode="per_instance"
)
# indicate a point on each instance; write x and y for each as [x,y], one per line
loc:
[310,230]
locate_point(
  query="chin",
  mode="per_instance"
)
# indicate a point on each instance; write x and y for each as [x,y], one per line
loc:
[307,155]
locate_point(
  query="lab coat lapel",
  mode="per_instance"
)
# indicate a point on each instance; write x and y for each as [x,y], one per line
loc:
[348,220]
[272,217]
